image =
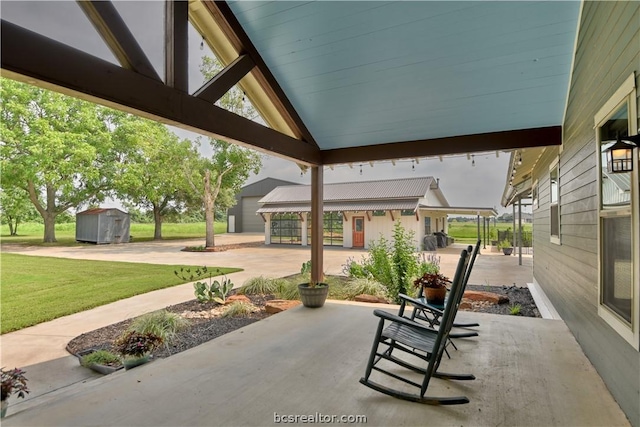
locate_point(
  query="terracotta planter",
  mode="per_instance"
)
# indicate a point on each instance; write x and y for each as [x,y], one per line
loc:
[435,296]
[313,297]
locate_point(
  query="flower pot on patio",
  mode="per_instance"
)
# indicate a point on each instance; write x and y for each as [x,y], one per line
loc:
[507,251]
[313,296]
[132,362]
[435,296]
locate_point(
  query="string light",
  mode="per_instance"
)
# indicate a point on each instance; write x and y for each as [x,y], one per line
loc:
[360,168]
[202,44]
[413,165]
[473,160]
[520,160]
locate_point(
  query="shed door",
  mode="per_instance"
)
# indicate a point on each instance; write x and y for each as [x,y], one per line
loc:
[251,222]
[358,232]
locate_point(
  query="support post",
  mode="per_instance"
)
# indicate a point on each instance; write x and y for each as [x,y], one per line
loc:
[478,221]
[316,223]
[513,236]
[519,230]
[484,233]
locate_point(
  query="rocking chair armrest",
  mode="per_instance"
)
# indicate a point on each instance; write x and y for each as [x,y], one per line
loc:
[403,320]
[420,304]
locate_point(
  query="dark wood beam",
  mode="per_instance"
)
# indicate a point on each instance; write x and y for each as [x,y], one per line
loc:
[113,30]
[176,44]
[229,24]
[317,223]
[38,60]
[215,88]
[494,141]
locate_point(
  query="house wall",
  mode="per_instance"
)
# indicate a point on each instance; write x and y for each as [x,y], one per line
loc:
[607,52]
[382,226]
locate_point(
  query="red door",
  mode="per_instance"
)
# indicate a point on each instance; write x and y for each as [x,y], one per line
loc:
[358,232]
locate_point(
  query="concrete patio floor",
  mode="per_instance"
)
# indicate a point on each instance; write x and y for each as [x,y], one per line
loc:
[307,361]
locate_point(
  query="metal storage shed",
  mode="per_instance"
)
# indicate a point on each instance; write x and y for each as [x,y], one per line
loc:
[102,225]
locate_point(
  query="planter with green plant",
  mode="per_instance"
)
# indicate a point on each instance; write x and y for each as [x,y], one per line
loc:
[312,294]
[13,382]
[434,286]
[101,361]
[205,291]
[506,247]
[136,347]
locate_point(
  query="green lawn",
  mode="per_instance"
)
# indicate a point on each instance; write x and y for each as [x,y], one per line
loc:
[467,232]
[32,233]
[38,289]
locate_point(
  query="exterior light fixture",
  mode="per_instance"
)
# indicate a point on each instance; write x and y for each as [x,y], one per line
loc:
[520,160]
[620,154]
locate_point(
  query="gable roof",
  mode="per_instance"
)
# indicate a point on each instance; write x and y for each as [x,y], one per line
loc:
[394,189]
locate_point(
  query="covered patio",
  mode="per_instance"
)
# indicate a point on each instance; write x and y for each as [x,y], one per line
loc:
[308,361]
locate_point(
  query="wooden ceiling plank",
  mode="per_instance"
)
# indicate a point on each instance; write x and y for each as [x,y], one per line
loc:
[229,24]
[176,44]
[38,60]
[215,88]
[506,140]
[113,30]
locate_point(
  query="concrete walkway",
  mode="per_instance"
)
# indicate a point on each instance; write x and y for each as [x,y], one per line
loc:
[41,349]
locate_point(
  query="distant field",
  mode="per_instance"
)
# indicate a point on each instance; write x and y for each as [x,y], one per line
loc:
[32,233]
[467,232]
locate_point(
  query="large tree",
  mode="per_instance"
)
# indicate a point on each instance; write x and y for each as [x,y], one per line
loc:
[216,180]
[150,175]
[56,148]
[15,207]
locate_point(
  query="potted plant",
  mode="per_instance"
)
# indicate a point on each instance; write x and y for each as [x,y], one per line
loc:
[506,247]
[434,287]
[13,381]
[312,294]
[101,361]
[136,347]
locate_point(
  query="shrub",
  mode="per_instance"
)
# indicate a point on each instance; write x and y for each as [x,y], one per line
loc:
[239,309]
[364,285]
[214,290]
[287,290]
[260,286]
[100,357]
[161,323]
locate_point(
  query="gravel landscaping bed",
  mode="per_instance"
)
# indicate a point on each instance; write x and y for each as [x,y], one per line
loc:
[203,329]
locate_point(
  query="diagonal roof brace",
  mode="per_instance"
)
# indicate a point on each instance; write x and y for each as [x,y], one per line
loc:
[220,84]
[113,30]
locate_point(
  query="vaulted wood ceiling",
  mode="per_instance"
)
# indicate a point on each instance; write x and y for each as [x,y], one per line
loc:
[335,82]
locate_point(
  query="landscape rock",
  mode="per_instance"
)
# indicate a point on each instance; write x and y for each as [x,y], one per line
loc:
[278,305]
[465,305]
[486,296]
[233,298]
[370,298]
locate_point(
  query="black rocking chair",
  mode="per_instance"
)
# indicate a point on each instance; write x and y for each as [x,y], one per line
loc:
[420,341]
[423,311]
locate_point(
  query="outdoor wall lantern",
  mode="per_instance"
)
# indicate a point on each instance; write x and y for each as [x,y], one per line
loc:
[620,154]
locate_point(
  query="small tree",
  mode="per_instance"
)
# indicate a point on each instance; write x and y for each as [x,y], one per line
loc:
[15,208]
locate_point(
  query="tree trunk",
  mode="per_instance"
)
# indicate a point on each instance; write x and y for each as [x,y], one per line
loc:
[12,232]
[49,227]
[157,220]
[208,210]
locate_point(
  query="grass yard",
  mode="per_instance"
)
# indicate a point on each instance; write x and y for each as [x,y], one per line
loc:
[32,233]
[39,289]
[467,232]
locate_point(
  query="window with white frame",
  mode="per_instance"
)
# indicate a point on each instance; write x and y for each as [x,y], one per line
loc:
[617,231]
[554,202]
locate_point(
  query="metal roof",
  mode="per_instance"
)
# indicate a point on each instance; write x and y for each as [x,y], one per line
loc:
[364,190]
[341,206]
[453,210]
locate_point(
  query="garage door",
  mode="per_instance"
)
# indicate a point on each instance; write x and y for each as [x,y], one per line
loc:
[251,222]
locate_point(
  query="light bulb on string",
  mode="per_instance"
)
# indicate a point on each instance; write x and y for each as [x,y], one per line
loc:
[520,160]
[202,43]
[473,160]
[360,168]
[413,165]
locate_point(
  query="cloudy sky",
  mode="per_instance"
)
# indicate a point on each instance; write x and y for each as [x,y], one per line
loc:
[462,183]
